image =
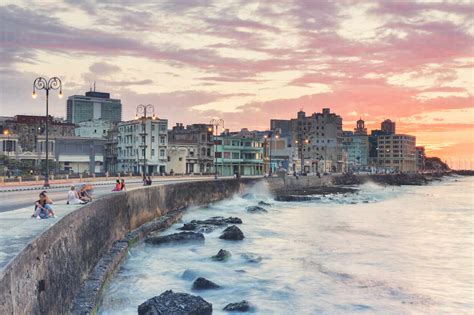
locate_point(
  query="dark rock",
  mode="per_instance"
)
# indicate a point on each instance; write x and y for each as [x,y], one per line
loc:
[263,203]
[252,258]
[222,255]
[256,209]
[296,198]
[175,303]
[232,233]
[206,226]
[365,201]
[176,237]
[242,306]
[204,284]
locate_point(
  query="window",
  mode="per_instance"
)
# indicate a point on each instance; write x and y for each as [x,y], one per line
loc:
[152,127]
[162,140]
[218,154]
[162,153]
[152,152]
[226,142]
[153,139]
[226,155]
[235,155]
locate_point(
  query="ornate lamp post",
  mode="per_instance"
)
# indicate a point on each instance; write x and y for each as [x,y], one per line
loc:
[41,83]
[143,113]
[216,123]
[300,143]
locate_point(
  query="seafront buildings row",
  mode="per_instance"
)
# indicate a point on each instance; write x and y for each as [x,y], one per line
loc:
[93,139]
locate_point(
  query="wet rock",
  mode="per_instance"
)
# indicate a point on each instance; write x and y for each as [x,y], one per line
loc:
[263,203]
[177,303]
[365,201]
[256,209]
[222,255]
[204,284]
[181,237]
[296,198]
[232,233]
[242,306]
[206,226]
[252,258]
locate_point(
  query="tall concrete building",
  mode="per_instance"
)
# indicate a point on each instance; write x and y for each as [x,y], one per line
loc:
[94,105]
[318,138]
[136,137]
[191,149]
[396,152]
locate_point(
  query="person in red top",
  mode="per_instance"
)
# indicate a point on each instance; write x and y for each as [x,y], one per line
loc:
[118,186]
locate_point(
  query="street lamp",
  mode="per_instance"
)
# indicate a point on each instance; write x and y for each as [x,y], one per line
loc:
[143,113]
[41,83]
[216,123]
[300,143]
[270,172]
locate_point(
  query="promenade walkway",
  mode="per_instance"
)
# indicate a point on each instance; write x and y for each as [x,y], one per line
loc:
[18,228]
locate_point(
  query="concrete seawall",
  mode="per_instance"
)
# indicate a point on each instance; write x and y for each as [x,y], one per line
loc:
[49,272]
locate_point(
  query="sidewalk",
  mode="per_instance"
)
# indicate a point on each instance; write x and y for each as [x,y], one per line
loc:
[18,228]
[66,183]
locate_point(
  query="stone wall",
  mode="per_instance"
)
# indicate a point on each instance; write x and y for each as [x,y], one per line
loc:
[49,272]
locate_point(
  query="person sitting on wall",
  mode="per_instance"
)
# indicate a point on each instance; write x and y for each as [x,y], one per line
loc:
[118,186]
[43,208]
[73,197]
[84,195]
[148,181]
[122,185]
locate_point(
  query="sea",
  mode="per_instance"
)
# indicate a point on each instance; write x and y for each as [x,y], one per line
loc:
[382,250]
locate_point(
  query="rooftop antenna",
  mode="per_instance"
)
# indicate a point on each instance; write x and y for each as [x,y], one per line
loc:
[94,86]
[90,87]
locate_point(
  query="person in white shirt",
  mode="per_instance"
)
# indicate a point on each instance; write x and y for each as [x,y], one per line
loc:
[73,197]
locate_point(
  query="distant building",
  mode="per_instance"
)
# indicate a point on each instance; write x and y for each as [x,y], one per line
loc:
[318,139]
[93,106]
[79,155]
[420,158]
[239,152]
[396,152]
[356,146]
[190,149]
[28,128]
[111,150]
[388,127]
[278,151]
[136,137]
[93,129]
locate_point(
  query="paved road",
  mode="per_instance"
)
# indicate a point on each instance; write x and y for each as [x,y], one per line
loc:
[19,199]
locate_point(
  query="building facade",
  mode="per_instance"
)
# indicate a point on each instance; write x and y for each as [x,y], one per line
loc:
[29,128]
[79,155]
[318,139]
[111,150]
[356,146]
[190,149]
[94,105]
[239,152]
[396,152]
[93,129]
[142,142]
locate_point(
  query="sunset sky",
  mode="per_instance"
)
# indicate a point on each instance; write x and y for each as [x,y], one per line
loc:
[247,62]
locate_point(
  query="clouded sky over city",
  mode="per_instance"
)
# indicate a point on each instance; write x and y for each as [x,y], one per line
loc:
[249,61]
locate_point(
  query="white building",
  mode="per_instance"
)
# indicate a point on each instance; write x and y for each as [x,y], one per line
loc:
[93,129]
[142,142]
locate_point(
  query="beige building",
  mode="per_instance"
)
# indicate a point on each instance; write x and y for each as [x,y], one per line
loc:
[317,138]
[396,152]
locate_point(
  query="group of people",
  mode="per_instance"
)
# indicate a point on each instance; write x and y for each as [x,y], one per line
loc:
[81,196]
[146,181]
[43,209]
[119,185]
